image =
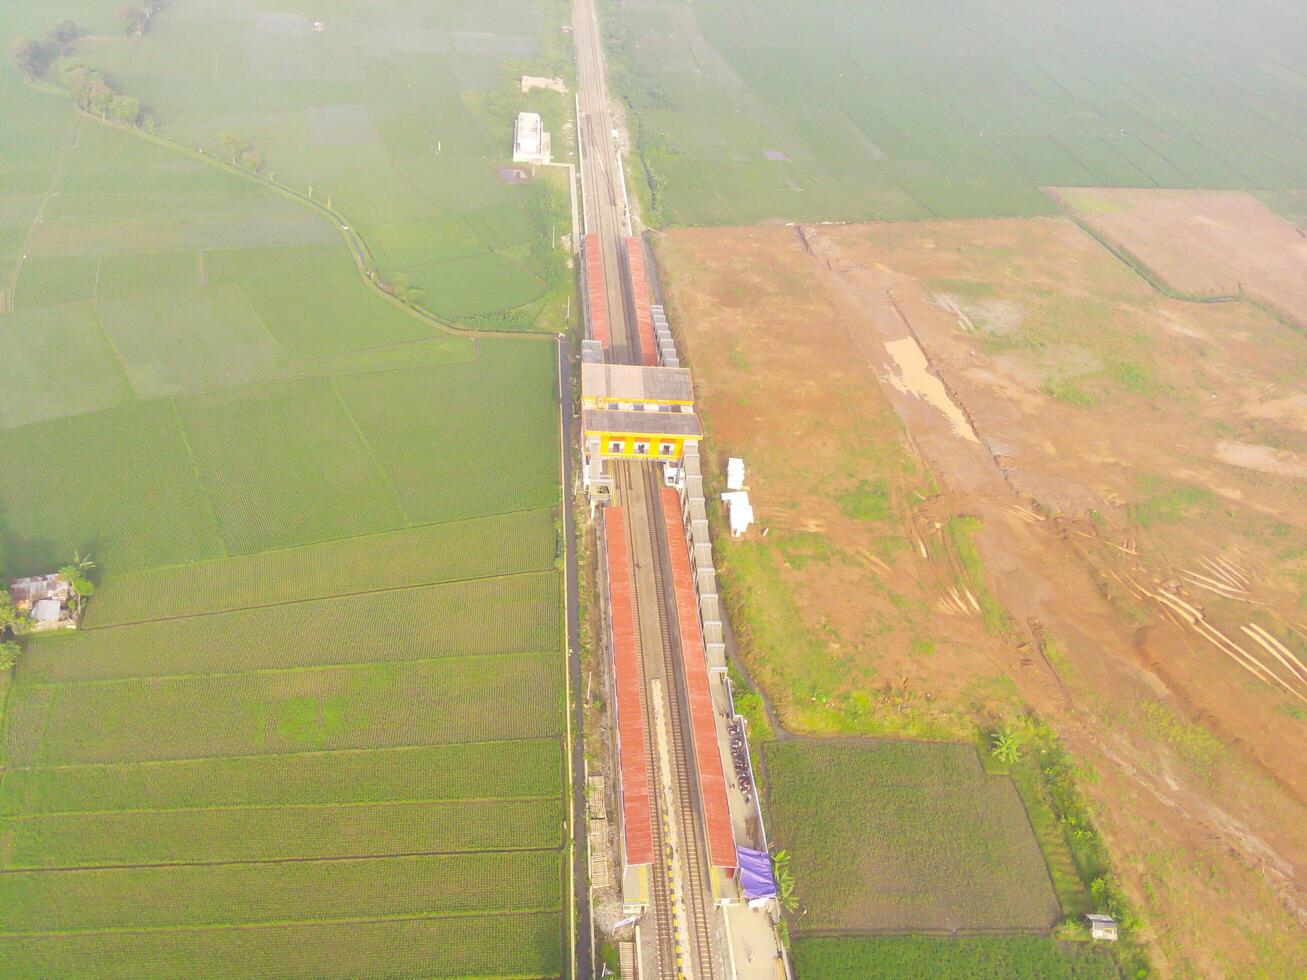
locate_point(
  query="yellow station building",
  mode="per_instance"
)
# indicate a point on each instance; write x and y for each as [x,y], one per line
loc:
[633,412]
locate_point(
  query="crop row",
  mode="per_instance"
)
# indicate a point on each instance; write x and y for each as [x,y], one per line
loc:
[432,621]
[512,945]
[275,833]
[929,958]
[456,699]
[65,901]
[530,767]
[499,545]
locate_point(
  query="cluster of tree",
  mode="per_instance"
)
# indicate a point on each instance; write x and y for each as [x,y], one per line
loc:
[136,20]
[11,622]
[93,92]
[241,151]
[33,56]
[77,574]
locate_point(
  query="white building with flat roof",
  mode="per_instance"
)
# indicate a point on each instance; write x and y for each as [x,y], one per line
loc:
[531,144]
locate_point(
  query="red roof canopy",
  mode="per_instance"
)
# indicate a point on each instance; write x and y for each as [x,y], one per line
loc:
[637,812]
[712,780]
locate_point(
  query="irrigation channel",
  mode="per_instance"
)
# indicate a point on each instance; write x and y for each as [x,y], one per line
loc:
[684,916]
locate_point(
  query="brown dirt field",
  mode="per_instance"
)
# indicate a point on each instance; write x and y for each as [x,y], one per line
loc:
[1103,477]
[1204,242]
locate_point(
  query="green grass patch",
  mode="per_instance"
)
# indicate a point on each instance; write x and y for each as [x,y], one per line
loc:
[49,280]
[932,958]
[868,500]
[961,532]
[1171,505]
[904,836]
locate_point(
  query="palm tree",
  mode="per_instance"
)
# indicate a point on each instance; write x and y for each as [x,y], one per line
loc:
[77,574]
[1007,746]
[785,896]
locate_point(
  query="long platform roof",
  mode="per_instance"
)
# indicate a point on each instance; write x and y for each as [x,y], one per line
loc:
[633,762]
[642,423]
[636,383]
[703,722]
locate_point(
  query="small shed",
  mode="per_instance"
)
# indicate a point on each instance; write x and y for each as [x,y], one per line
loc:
[47,612]
[1102,927]
[740,511]
[734,473]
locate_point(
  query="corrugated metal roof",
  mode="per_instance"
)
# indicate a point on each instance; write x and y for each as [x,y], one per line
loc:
[596,294]
[641,423]
[640,292]
[637,811]
[636,383]
[703,724]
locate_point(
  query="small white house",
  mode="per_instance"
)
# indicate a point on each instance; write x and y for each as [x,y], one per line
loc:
[531,144]
[734,473]
[1102,927]
[739,510]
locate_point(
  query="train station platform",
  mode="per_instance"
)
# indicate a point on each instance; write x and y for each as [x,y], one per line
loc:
[703,722]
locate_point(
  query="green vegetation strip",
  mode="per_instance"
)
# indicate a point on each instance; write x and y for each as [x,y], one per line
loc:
[499,545]
[463,699]
[530,767]
[513,945]
[292,833]
[126,898]
[905,836]
[928,958]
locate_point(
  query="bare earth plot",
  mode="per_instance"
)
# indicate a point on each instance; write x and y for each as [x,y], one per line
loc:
[1204,242]
[996,469]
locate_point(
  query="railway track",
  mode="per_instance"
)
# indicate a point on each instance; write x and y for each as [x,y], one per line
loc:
[641,485]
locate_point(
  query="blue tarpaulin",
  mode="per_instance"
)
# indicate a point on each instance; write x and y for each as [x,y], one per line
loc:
[756,877]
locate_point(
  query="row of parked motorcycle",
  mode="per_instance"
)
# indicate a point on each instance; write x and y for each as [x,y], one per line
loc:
[740,756]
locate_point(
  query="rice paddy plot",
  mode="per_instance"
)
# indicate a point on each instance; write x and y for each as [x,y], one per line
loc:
[132,276]
[284,465]
[311,299]
[957,958]
[466,439]
[192,340]
[460,699]
[55,280]
[476,285]
[506,945]
[275,833]
[117,484]
[156,897]
[905,837]
[425,352]
[425,622]
[503,544]
[490,770]
[56,362]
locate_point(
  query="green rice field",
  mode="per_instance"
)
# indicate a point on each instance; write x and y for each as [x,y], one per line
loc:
[843,110]
[935,958]
[383,113]
[312,721]
[897,837]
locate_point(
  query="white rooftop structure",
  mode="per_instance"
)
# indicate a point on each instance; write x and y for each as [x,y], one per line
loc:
[47,611]
[531,144]
[1102,927]
[740,511]
[734,473]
